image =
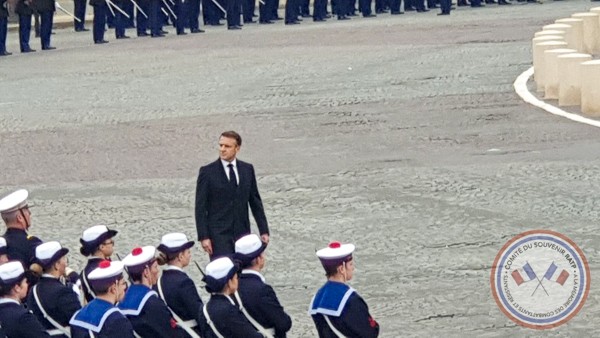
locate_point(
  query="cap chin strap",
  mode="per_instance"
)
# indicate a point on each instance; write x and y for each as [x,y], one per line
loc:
[25,218]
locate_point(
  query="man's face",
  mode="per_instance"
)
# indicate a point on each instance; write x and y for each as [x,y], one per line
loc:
[228,148]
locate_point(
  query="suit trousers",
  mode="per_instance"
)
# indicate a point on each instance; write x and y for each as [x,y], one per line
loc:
[154,17]
[248,7]
[141,22]
[291,11]
[365,7]
[446,6]
[181,13]
[120,23]
[99,22]
[46,19]
[24,31]
[79,11]
[264,11]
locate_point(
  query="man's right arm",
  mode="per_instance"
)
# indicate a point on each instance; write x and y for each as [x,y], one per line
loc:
[202,204]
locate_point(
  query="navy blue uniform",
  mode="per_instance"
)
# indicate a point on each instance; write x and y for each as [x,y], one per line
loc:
[3,26]
[148,314]
[262,304]
[58,300]
[25,12]
[46,8]
[100,11]
[228,319]
[20,246]
[18,322]
[90,266]
[193,15]
[103,319]
[182,297]
[346,310]
[79,7]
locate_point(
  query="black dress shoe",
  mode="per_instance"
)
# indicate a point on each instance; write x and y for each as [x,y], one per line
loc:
[319,19]
[266,22]
[292,23]
[182,33]
[306,15]
[123,37]
[142,34]
[422,10]
[409,9]
[277,18]
[157,35]
[197,30]
[369,16]
[82,30]
[396,13]
[48,48]
[251,21]
[443,13]
[163,32]
[234,27]
[216,24]
[343,18]
[28,50]
[5,53]
[99,42]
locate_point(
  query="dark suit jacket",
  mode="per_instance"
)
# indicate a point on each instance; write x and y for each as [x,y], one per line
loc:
[222,210]
[262,304]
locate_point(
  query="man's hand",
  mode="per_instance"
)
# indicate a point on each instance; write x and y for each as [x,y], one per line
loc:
[207,246]
[265,238]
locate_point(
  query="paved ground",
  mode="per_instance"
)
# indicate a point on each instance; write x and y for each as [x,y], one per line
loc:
[376,132]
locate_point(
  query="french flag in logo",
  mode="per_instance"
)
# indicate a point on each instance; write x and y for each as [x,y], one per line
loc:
[523,275]
[552,274]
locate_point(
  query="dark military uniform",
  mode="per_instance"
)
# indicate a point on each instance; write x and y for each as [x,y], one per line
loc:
[103,319]
[3,26]
[17,322]
[182,297]
[58,300]
[228,319]
[79,7]
[21,247]
[100,11]
[346,311]
[92,263]
[148,314]
[46,8]
[262,304]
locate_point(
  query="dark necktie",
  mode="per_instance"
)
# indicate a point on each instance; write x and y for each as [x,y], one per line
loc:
[232,179]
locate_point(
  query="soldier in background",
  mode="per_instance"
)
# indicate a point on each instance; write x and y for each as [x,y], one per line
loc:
[3,27]
[25,11]
[17,217]
[79,7]
[46,9]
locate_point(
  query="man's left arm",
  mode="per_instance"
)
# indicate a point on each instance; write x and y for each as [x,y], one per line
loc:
[257,208]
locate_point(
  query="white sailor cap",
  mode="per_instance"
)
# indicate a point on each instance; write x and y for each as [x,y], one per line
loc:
[218,272]
[105,274]
[249,247]
[11,272]
[139,258]
[174,242]
[48,253]
[335,253]
[3,247]
[92,237]
[14,201]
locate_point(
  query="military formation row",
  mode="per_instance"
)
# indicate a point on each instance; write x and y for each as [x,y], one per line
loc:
[41,297]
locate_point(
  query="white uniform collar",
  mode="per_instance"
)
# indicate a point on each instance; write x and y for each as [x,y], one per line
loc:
[173,267]
[254,272]
[8,300]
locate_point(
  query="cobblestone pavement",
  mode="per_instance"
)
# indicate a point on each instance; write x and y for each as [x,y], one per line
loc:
[375,131]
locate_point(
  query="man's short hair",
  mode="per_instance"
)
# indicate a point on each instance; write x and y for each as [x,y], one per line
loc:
[9,217]
[232,134]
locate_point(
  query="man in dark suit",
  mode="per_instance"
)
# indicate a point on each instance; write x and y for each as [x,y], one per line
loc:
[224,190]
[46,8]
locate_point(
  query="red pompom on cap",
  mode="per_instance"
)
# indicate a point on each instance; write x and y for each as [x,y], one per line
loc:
[136,251]
[335,245]
[104,264]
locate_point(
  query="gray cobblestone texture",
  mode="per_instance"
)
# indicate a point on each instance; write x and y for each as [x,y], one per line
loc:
[400,134]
